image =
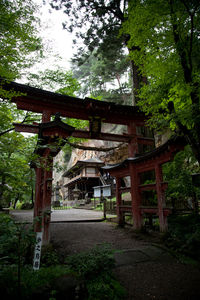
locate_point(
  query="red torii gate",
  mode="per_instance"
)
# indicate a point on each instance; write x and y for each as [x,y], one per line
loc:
[135,166]
[96,112]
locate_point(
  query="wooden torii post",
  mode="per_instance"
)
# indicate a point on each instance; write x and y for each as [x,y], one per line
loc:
[133,167]
[96,112]
[47,148]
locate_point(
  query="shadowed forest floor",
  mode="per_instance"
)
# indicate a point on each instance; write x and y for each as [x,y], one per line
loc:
[145,269]
[143,266]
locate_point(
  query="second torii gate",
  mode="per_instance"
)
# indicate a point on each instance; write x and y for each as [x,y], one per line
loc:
[96,112]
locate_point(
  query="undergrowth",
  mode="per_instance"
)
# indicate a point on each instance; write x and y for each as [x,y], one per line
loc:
[95,268]
[84,276]
[183,235]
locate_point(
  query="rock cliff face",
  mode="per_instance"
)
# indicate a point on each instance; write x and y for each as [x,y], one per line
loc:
[115,156]
[160,139]
[111,157]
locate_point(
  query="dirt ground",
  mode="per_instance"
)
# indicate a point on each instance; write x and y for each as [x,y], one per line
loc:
[145,270]
[143,266]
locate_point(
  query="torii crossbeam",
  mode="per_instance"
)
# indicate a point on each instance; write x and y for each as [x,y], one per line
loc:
[96,112]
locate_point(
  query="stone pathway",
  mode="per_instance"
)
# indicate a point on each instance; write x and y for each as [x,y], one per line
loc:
[145,254]
[60,215]
[145,270]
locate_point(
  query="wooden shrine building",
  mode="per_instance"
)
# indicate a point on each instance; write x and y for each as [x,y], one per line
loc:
[96,112]
[84,175]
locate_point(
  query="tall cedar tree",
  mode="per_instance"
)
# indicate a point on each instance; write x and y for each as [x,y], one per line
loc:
[98,23]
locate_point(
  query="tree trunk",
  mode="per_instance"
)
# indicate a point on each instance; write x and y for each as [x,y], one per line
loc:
[136,76]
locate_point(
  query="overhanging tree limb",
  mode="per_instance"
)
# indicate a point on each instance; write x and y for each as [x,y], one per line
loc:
[12,128]
[78,146]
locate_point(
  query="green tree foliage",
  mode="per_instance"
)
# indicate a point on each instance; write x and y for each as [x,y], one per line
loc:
[95,268]
[183,236]
[98,73]
[20,48]
[16,177]
[20,44]
[180,191]
[100,35]
[166,34]
[58,80]
[102,20]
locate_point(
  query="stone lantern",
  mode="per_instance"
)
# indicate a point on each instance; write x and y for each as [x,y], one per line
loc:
[56,202]
[76,192]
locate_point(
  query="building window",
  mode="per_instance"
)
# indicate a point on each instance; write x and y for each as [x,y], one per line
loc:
[91,171]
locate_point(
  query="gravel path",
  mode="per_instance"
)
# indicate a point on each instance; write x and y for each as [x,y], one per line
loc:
[60,215]
[146,271]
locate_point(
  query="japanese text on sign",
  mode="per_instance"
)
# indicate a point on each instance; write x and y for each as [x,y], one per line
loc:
[37,252]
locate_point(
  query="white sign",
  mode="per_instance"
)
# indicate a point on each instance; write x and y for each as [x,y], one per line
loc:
[106,190]
[37,252]
[97,191]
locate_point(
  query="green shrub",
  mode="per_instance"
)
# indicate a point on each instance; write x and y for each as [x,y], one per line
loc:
[90,272]
[95,268]
[184,235]
[49,256]
[19,205]
[27,205]
[39,282]
[16,242]
[105,288]
[92,263]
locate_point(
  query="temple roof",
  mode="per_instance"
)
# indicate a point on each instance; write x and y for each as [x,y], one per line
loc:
[80,163]
[92,160]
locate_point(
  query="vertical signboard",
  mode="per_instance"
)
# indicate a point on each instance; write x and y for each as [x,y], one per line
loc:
[37,252]
[106,190]
[97,191]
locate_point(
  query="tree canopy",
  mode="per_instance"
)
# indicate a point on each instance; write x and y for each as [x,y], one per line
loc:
[167,35]
[56,80]
[106,77]
[20,42]
[163,41]
[20,48]
[15,174]
[100,34]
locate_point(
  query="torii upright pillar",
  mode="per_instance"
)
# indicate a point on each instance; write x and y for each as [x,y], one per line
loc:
[160,197]
[43,189]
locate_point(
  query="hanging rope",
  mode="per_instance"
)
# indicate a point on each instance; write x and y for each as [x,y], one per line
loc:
[78,146]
